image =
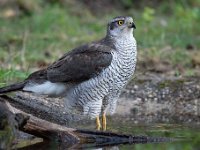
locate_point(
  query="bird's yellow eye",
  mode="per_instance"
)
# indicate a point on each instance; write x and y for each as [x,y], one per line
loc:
[120,22]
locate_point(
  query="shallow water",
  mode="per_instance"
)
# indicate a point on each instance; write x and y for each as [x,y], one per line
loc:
[186,138]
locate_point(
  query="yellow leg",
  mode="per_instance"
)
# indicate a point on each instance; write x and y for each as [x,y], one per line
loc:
[98,124]
[104,122]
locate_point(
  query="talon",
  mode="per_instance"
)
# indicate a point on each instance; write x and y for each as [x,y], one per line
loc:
[104,122]
[98,124]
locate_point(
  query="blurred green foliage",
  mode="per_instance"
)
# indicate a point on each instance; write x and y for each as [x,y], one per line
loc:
[38,28]
[148,14]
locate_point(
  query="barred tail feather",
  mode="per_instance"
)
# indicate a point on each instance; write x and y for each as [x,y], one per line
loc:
[12,87]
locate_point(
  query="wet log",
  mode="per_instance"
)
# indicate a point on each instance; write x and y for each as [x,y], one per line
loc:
[66,136]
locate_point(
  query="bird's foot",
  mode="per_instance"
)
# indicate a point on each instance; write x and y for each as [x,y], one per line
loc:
[98,124]
[104,122]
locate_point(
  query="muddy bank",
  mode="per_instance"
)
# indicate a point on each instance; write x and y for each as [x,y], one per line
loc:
[151,99]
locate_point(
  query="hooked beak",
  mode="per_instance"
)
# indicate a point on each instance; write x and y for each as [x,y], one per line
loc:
[132,25]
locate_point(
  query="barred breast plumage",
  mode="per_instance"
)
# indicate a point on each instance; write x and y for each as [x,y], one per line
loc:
[104,89]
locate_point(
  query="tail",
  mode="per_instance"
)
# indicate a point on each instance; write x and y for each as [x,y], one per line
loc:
[12,87]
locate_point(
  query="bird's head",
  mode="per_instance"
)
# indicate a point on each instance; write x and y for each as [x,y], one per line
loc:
[121,26]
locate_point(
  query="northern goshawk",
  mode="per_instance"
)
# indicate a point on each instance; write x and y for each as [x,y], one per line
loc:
[90,77]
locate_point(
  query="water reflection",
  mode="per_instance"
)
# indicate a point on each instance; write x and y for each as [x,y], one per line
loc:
[183,137]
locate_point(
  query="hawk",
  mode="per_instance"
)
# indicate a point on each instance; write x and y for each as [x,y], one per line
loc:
[92,76]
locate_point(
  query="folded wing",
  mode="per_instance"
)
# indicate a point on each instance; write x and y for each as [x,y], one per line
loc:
[81,64]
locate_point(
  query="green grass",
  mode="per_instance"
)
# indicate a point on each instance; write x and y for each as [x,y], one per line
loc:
[54,29]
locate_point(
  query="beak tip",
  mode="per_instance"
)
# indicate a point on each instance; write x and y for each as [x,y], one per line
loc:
[133,26]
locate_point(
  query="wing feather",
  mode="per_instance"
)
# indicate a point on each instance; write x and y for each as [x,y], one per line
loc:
[80,64]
